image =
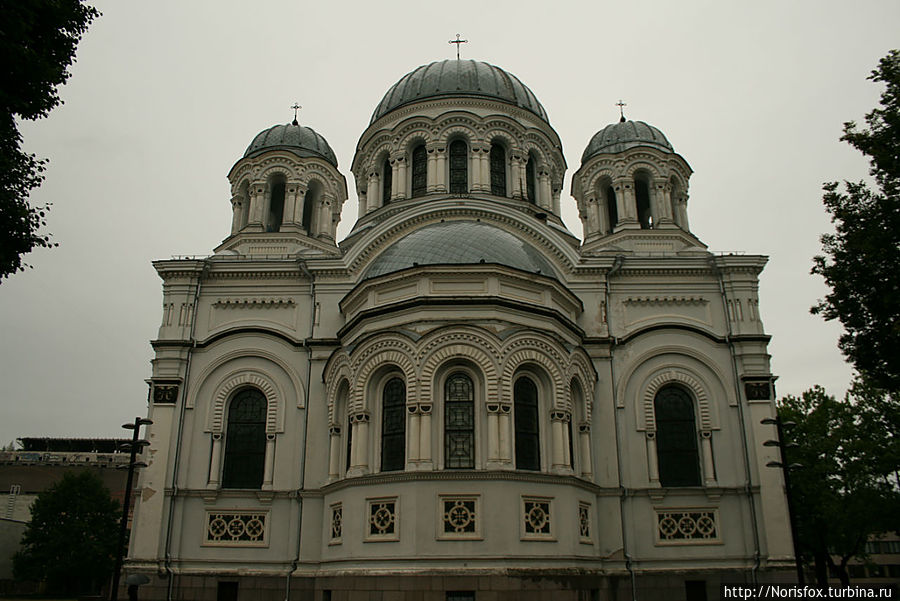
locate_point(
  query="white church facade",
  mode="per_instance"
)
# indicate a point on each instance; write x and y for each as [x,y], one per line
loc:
[461,399]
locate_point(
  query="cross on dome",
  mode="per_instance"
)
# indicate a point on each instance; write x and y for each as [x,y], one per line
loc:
[458,41]
[296,106]
[621,106]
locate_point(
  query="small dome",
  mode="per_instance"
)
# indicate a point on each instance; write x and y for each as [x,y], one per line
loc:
[299,139]
[454,77]
[457,243]
[619,137]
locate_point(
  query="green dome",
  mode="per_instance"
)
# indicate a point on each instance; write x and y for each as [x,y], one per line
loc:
[459,243]
[299,139]
[454,77]
[619,137]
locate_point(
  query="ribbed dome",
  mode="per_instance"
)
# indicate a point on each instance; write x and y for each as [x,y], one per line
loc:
[456,77]
[299,139]
[618,137]
[459,242]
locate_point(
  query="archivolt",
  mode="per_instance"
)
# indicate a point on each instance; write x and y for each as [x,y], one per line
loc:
[539,353]
[459,346]
[687,380]
[240,380]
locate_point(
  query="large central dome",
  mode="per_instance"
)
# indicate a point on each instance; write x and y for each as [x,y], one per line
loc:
[459,243]
[456,77]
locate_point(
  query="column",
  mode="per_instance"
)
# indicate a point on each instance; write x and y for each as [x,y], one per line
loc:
[359,445]
[493,433]
[402,191]
[431,170]
[709,470]
[663,199]
[289,217]
[334,453]
[505,432]
[215,461]
[557,424]
[626,204]
[517,174]
[587,464]
[652,459]
[425,461]
[412,437]
[682,212]
[395,179]
[235,214]
[484,162]
[256,209]
[325,220]
[373,193]
[546,195]
[269,468]
[440,175]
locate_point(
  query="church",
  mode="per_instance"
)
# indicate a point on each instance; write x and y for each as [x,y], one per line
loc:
[461,400]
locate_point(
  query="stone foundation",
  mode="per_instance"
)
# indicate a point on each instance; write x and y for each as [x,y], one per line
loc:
[680,586]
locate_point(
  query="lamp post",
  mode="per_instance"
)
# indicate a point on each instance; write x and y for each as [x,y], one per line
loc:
[133,447]
[786,470]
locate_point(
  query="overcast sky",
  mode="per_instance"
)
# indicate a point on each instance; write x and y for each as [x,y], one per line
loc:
[166,95]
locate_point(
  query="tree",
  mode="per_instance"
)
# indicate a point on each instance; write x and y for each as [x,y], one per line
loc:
[37,44]
[860,259]
[846,490]
[71,540]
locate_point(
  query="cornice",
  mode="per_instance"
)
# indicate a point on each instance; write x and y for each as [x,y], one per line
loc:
[468,476]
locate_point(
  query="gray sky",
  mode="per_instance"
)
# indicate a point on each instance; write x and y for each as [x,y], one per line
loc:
[165,96]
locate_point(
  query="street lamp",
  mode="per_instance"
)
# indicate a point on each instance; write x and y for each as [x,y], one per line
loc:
[786,470]
[133,446]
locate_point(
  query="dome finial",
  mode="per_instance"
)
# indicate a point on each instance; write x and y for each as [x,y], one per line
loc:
[295,107]
[458,41]
[621,106]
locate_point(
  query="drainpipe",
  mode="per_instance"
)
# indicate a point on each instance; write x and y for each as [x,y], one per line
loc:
[744,443]
[629,564]
[170,585]
[312,324]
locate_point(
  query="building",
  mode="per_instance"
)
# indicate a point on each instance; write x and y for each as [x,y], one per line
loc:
[38,464]
[460,400]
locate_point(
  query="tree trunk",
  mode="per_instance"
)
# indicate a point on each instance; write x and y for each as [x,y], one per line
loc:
[822,560]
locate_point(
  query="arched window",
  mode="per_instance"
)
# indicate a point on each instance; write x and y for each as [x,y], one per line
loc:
[498,170]
[459,167]
[459,422]
[310,199]
[676,437]
[530,187]
[245,205]
[387,175]
[276,207]
[245,440]
[642,196]
[419,171]
[612,210]
[393,426]
[528,440]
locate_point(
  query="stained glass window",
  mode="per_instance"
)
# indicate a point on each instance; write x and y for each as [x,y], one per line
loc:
[676,438]
[419,171]
[245,440]
[459,167]
[459,422]
[393,426]
[498,170]
[525,409]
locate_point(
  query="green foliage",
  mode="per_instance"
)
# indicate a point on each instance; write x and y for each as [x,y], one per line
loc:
[860,259]
[846,490]
[37,44]
[71,540]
